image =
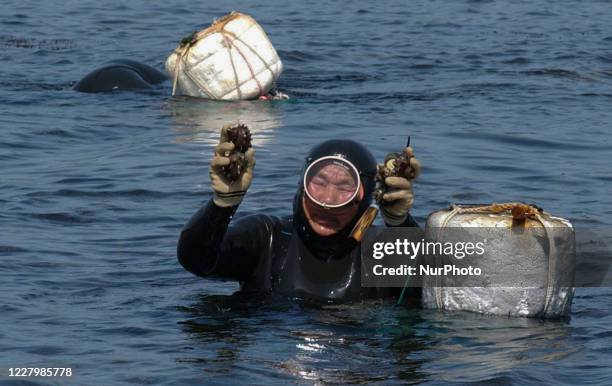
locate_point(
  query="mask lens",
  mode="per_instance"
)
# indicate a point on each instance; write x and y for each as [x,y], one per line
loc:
[331,182]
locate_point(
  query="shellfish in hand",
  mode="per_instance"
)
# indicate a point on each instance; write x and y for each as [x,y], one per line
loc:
[402,164]
[240,136]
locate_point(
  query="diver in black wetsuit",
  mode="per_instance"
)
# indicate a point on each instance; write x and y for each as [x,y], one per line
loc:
[121,74]
[310,254]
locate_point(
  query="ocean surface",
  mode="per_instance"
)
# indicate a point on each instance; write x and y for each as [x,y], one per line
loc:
[503,100]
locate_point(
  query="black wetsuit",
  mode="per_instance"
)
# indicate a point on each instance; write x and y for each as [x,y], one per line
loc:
[265,253]
[120,74]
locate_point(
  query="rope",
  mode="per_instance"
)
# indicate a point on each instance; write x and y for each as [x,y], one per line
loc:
[229,49]
[182,51]
[253,51]
[552,265]
[225,34]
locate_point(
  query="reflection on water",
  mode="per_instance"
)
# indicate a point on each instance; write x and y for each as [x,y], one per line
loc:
[367,342]
[346,344]
[199,120]
[217,328]
[490,346]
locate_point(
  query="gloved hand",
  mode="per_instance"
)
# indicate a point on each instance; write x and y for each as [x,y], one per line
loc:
[228,192]
[397,198]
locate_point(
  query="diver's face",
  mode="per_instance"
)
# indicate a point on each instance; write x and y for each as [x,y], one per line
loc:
[332,184]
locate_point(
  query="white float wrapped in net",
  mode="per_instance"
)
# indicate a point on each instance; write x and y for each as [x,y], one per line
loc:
[528,263]
[233,59]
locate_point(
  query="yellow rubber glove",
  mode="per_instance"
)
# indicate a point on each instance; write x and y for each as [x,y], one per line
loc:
[228,192]
[398,197]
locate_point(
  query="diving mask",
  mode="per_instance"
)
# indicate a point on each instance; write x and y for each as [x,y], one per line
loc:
[332,182]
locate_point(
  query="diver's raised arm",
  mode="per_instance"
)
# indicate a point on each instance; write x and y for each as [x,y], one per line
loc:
[231,169]
[206,247]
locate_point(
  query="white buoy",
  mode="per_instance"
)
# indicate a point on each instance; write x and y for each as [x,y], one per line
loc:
[233,59]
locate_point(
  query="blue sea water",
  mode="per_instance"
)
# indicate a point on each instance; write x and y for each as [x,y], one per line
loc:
[503,100]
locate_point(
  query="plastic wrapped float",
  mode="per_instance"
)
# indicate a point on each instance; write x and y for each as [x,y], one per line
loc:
[528,264]
[233,59]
